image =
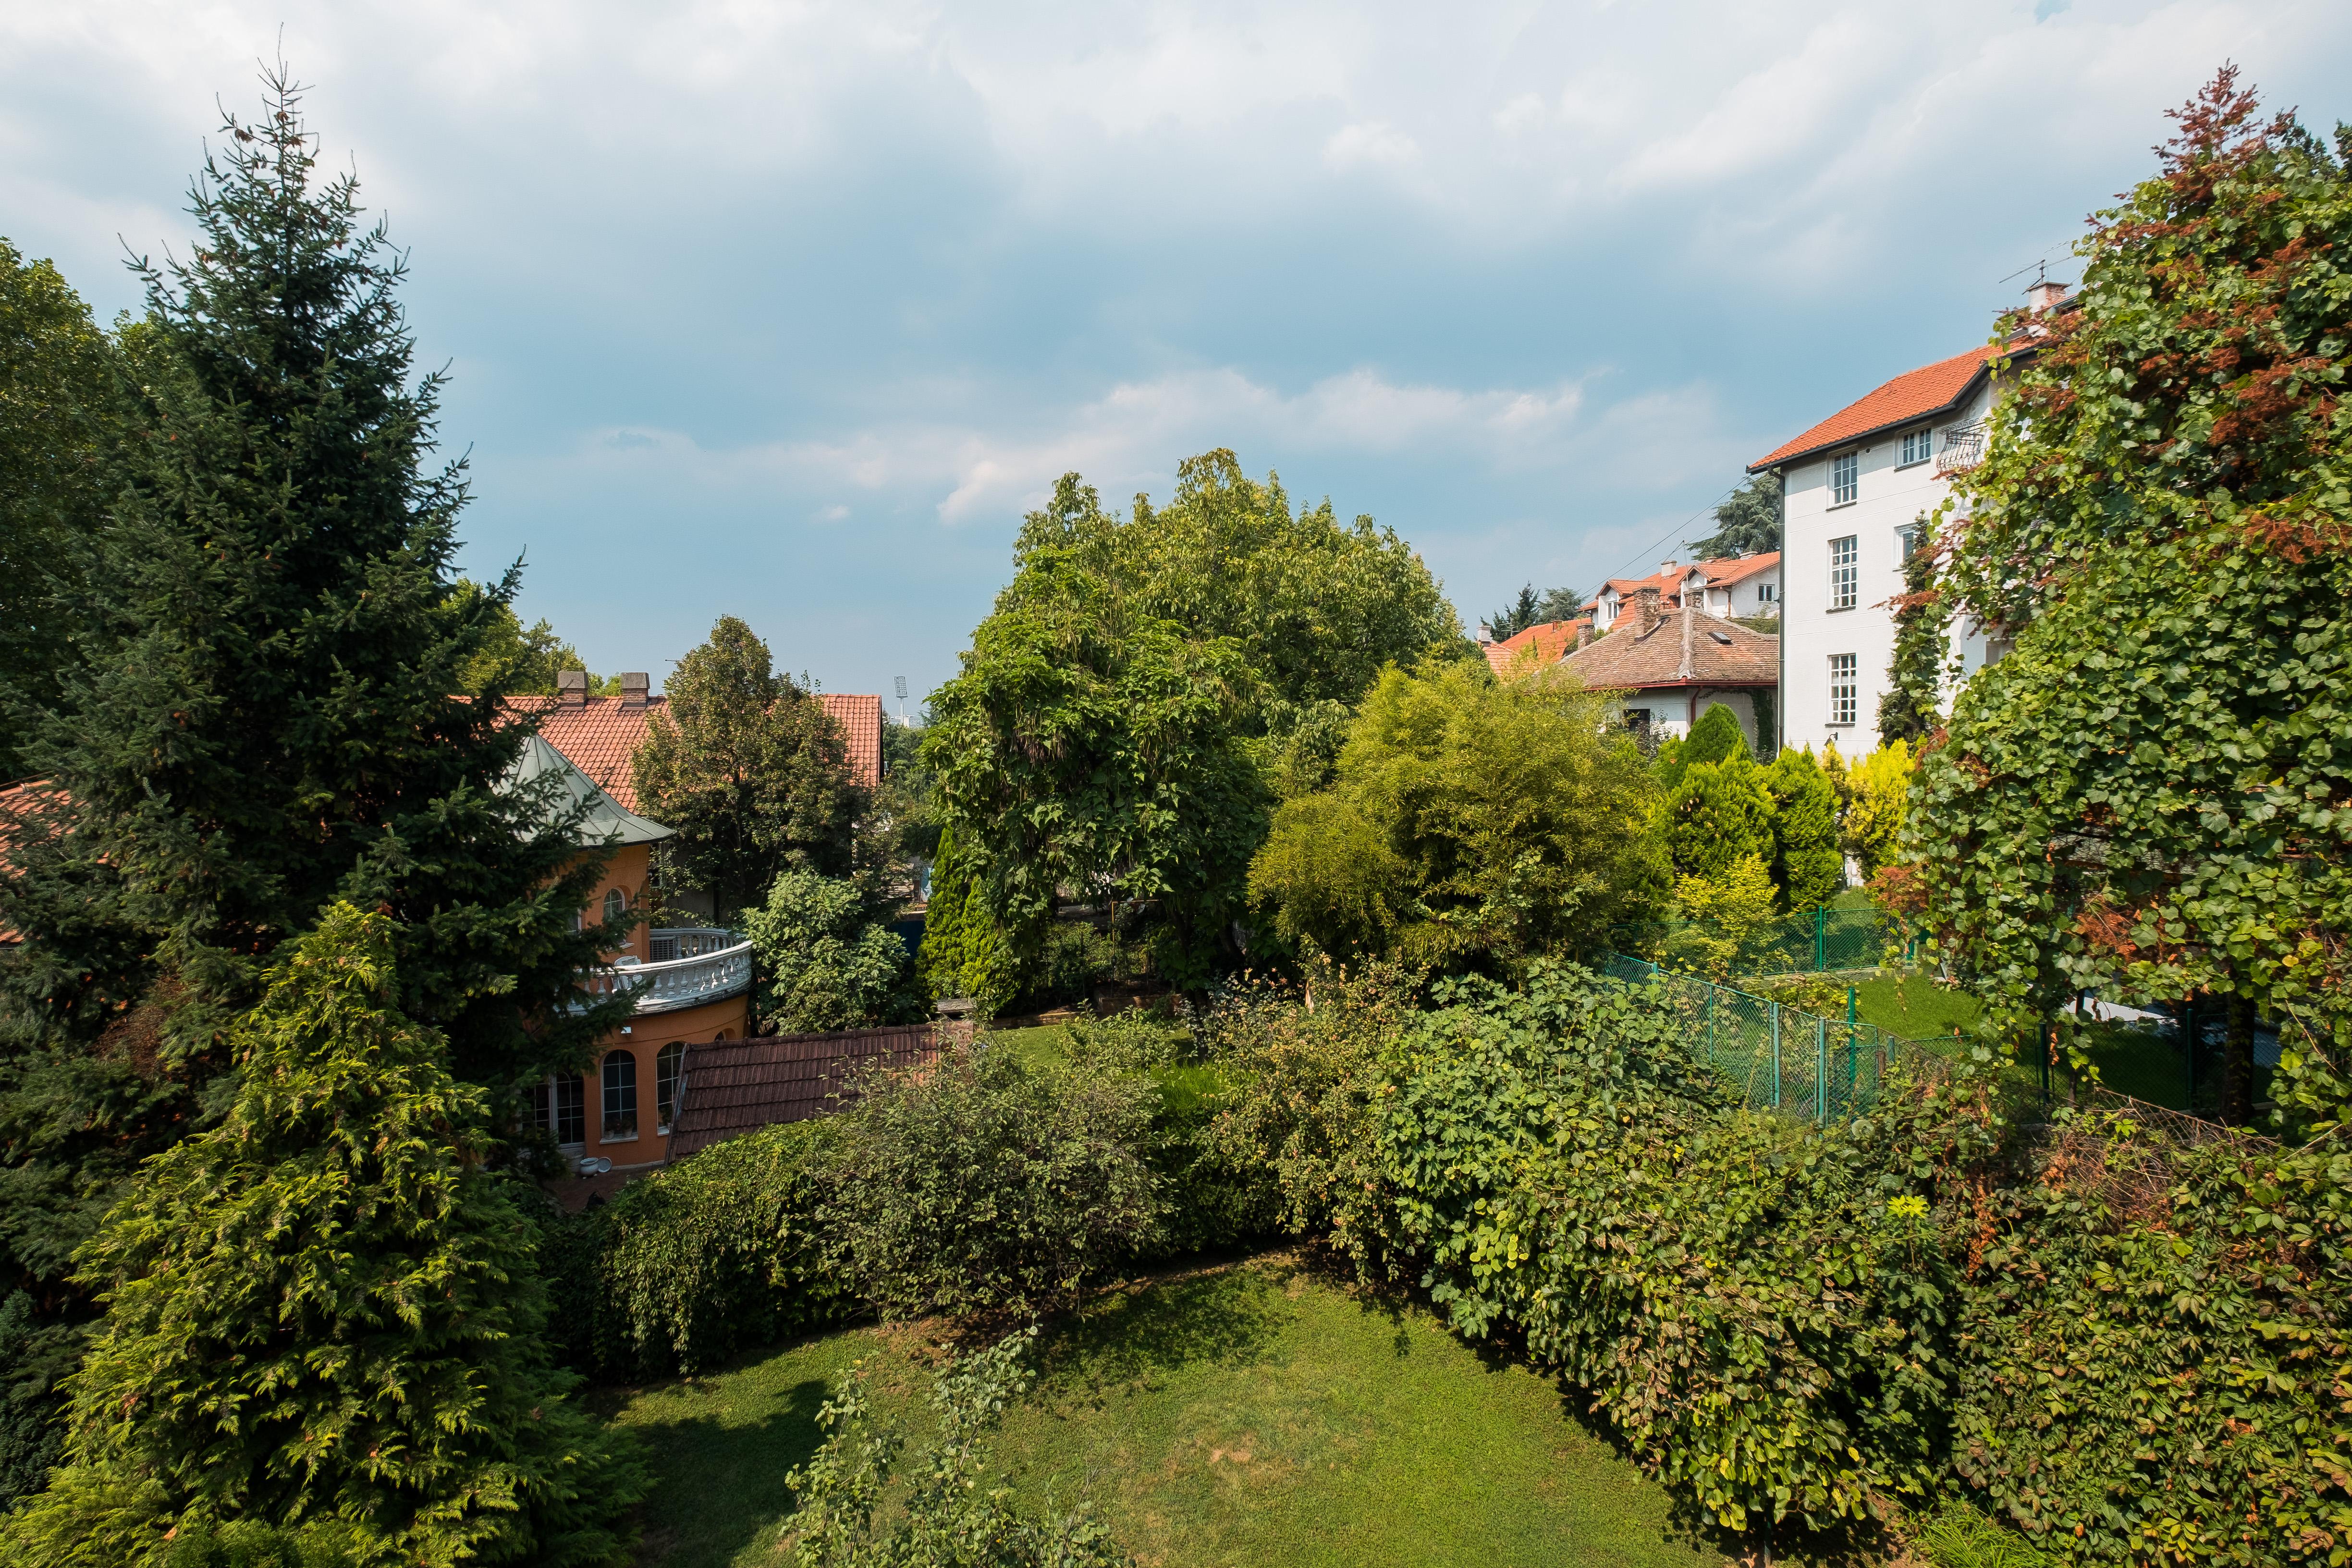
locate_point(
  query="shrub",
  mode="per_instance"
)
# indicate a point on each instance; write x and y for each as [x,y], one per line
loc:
[1725,911]
[1881,786]
[983,1183]
[1717,738]
[947,1520]
[962,954]
[714,1256]
[1805,859]
[1719,813]
[825,961]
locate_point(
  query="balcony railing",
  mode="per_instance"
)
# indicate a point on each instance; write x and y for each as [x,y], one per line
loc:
[706,965]
[1963,448]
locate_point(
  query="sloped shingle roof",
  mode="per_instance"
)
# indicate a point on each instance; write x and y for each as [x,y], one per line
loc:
[1551,640]
[1723,571]
[860,719]
[741,1085]
[602,733]
[1689,647]
[1915,394]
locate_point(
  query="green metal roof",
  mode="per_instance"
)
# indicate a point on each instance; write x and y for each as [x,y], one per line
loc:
[607,820]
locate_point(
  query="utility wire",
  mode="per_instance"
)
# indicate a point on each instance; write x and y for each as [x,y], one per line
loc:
[1681,527]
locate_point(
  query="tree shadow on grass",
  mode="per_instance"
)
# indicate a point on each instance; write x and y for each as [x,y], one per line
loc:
[719,1487]
[1229,1316]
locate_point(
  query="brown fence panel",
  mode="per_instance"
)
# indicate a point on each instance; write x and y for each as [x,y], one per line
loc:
[740,1086]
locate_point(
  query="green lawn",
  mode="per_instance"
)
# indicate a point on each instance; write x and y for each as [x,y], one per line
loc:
[1254,1413]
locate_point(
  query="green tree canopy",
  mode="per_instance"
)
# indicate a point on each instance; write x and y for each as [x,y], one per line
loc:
[1747,522]
[826,961]
[751,772]
[1531,609]
[1807,866]
[1717,813]
[2143,798]
[511,657]
[1471,824]
[323,1310]
[1715,736]
[57,400]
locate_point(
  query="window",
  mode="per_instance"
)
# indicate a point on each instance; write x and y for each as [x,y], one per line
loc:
[1845,573]
[620,1096]
[1845,478]
[1907,541]
[1845,698]
[571,1123]
[1918,445]
[666,1068]
[1638,721]
[1764,593]
[615,906]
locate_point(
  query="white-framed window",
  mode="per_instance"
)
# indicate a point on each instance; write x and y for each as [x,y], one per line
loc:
[1918,445]
[616,904]
[1845,573]
[1845,478]
[1764,593]
[1845,693]
[1907,541]
[669,1066]
[556,1104]
[620,1096]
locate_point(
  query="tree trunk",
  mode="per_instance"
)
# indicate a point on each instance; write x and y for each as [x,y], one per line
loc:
[2238,1064]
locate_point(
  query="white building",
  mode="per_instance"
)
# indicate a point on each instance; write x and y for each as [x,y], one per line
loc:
[1857,489]
[1743,585]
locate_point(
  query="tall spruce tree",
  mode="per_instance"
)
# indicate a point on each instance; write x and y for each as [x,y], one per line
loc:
[322,1313]
[258,718]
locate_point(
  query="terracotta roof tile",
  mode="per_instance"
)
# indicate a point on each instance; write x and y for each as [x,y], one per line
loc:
[741,1085]
[1914,395]
[1550,641]
[1733,569]
[861,719]
[1720,654]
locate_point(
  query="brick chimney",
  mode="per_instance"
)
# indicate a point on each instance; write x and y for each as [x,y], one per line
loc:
[1584,634]
[1690,640]
[1646,610]
[572,687]
[2044,295]
[634,684]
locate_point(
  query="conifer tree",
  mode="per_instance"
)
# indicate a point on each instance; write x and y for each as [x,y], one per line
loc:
[257,719]
[1806,864]
[1715,736]
[322,1313]
[1719,813]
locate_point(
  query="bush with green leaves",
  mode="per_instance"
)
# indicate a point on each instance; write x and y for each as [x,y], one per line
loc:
[1719,813]
[1716,738]
[947,1515]
[984,1183]
[718,1254]
[1806,863]
[826,961]
[323,1312]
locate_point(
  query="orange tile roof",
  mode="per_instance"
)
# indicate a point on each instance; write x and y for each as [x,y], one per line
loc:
[1720,653]
[860,719]
[602,733]
[1550,642]
[1730,569]
[1914,395]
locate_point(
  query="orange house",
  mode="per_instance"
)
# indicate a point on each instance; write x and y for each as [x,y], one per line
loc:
[691,985]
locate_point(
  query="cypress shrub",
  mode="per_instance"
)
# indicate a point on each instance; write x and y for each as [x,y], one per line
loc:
[1806,864]
[1718,815]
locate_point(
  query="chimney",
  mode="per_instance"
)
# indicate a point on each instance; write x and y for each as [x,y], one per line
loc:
[1645,615]
[634,686]
[572,687]
[1584,634]
[2044,295]
[1690,641]
[1666,568]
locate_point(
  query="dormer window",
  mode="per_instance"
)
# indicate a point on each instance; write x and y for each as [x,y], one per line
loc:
[1918,445]
[1845,478]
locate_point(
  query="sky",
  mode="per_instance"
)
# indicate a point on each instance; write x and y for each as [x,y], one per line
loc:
[790,311]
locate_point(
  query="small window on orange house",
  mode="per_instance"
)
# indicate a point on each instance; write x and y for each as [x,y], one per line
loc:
[667,1069]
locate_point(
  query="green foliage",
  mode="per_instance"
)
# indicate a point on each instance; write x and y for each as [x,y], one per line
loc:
[1878,788]
[59,406]
[257,654]
[983,1183]
[510,657]
[1472,823]
[1748,522]
[1529,609]
[826,961]
[2139,801]
[324,1310]
[2159,1342]
[960,951]
[1725,911]
[1092,748]
[1806,863]
[949,1517]
[1912,708]
[750,770]
[1719,813]
[713,1255]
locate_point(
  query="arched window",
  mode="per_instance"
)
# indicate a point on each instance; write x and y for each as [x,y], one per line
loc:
[570,1121]
[615,906]
[667,1065]
[620,1096]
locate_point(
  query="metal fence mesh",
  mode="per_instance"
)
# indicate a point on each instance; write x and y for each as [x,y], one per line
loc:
[1811,942]
[1779,1056]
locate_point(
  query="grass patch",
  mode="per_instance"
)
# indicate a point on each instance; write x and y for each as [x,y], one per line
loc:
[1256,1413]
[1916,1007]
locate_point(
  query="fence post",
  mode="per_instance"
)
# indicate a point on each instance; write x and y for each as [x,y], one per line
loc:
[1820,1070]
[1776,1056]
[1821,937]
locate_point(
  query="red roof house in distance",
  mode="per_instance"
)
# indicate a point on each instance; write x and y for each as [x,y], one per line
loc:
[1538,646]
[1729,585]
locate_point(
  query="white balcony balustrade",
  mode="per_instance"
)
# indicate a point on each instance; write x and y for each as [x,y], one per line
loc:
[1964,447]
[691,966]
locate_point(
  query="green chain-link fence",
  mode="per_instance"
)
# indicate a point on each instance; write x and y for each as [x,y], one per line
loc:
[1811,942]
[1783,1059]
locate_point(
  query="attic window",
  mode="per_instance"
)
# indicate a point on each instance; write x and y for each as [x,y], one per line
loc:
[1721,637]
